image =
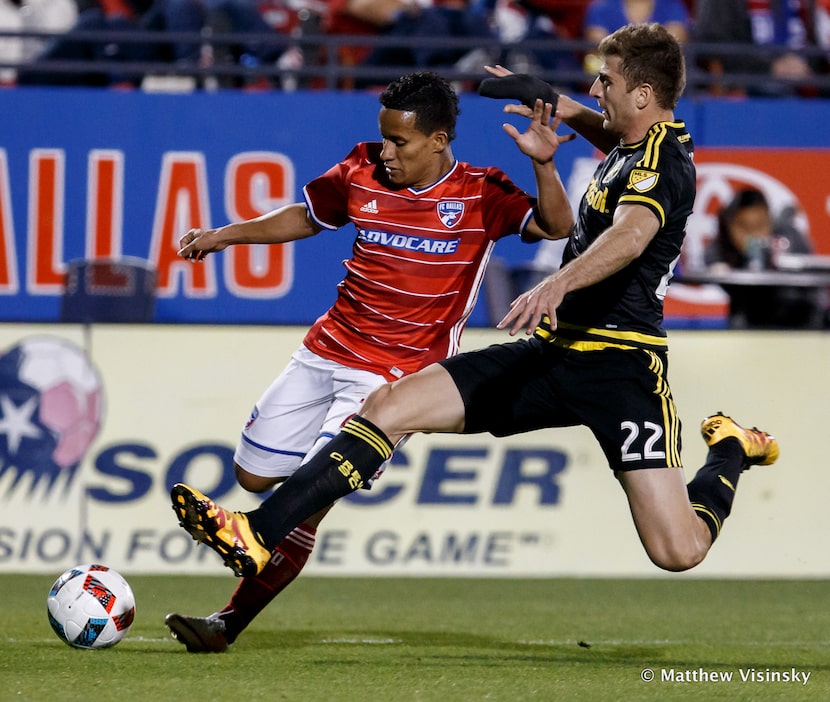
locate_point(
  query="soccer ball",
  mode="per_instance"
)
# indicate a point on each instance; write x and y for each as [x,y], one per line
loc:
[91,606]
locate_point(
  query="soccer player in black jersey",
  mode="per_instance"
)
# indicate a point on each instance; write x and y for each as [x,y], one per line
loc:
[596,352]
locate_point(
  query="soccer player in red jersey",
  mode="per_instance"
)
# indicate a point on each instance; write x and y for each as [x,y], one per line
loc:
[425,226]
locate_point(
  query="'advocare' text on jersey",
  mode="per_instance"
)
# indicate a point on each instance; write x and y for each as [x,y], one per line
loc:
[417,263]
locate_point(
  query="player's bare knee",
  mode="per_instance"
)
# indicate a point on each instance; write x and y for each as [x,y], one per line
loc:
[675,550]
[381,407]
[676,557]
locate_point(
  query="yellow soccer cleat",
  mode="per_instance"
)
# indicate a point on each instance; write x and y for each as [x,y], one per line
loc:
[228,533]
[760,448]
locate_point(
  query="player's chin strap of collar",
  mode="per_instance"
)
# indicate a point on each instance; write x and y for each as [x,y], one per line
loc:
[519,86]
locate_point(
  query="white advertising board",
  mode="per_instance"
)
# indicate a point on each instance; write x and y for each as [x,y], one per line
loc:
[538,505]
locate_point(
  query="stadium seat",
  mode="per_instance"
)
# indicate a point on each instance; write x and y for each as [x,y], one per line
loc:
[109,290]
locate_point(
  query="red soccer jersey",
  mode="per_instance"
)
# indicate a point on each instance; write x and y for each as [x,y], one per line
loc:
[417,263]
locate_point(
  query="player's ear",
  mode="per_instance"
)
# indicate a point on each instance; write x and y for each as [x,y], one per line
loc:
[441,140]
[644,94]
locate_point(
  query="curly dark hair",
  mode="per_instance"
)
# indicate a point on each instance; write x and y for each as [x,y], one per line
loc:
[649,55]
[429,96]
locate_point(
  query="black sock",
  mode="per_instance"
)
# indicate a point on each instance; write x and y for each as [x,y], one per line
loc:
[347,461]
[712,490]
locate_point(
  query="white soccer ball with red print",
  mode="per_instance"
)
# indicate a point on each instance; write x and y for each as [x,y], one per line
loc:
[91,606]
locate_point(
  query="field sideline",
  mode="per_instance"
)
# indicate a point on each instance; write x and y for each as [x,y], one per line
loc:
[446,640]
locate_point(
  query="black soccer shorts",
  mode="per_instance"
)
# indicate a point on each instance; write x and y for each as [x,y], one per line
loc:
[621,394]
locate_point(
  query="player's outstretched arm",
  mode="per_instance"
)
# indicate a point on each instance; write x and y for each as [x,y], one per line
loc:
[287,223]
[588,123]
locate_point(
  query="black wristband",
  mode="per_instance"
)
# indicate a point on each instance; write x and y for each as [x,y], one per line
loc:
[519,86]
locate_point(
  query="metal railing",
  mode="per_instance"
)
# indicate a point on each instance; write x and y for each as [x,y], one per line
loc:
[323,67]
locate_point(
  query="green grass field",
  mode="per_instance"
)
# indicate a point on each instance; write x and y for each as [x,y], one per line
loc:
[329,639]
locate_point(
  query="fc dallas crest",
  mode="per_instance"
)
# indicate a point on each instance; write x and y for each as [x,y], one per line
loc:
[450,212]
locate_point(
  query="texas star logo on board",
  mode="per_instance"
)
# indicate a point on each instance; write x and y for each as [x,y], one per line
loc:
[51,410]
[450,212]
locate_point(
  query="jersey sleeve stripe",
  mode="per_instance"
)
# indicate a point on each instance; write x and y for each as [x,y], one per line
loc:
[648,202]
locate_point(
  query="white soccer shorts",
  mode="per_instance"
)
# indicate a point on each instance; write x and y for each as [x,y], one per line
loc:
[300,412]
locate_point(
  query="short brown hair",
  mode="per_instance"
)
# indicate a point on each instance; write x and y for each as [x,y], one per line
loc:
[649,55]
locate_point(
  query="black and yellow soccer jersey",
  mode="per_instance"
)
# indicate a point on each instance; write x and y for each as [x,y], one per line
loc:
[657,173]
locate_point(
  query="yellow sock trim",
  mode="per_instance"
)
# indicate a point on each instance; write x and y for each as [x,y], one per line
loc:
[708,515]
[375,440]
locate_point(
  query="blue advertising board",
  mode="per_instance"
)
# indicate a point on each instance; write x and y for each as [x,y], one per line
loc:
[94,174]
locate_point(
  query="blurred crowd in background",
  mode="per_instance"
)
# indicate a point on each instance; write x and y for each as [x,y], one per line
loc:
[742,47]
